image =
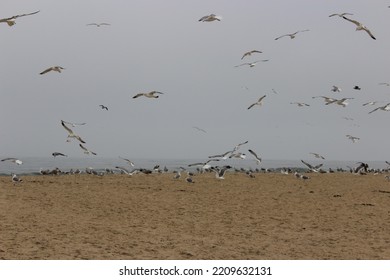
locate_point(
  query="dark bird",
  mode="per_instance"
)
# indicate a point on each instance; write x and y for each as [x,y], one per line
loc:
[104,107]
[250,53]
[53,68]
[56,154]
[151,94]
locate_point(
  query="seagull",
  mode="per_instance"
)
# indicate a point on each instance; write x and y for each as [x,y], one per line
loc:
[259,102]
[56,154]
[209,18]
[384,84]
[336,89]
[341,102]
[98,24]
[258,159]
[223,156]
[370,103]
[71,134]
[311,167]
[205,165]
[301,176]
[239,145]
[383,108]
[252,64]
[14,160]
[53,68]
[74,124]
[300,104]
[128,161]
[86,151]
[104,107]
[348,119]
[250,53]
[124,170]
[219,173]
[292,35]
[237,155]
[11,20]
[200,129]
[328,100]
[317,155]
[189,180]
[357,88]
[16,179]
[341,15]
[352,138]
[360,26]
[151,94]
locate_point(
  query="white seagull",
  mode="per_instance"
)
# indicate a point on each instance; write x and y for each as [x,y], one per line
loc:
[259,102]
[383,108]
[317,155]
[74,124]
[342,102]
[360,26]
[219,173]
[15,179]
[370,103]
[128,161]
[222,156]
[336,89]
[326,99]
[86,151]
[151,94]
[291,35]
[11,20]
[209,18]
[204,165]
[250,53]
[258,159]
[252,64]
[14,160]
[238,155]
[71,134]
[341,15]
[300,104]
[53,68]
[239,145]
[315,168]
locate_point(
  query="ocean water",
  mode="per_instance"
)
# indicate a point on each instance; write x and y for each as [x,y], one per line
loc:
[32,165]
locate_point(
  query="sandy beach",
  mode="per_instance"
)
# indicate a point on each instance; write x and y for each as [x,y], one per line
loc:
[271,216]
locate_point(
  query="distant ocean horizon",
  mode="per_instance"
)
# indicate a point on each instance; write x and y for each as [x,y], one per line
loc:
[32,165]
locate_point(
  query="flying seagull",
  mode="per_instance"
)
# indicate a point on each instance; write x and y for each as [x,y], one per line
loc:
[291,35]
[342,102]
[259,102]
[370,103]
[252,64]
[151,94]
[327,100]
[300,104]
[239,145]
[53,68]
[98,24]
[71,134]
[250,53]
[341,15]
[315,168]
[56,154]
[360,26]
[336,89]
[223,156]
[317,155]
[11,20]
[74,124]
[86,151]
[200,129]
[352,138]
[211,17]
[204,165]
[384,84]
[219,173]
[14,160]
[383,108]
[128,161]
[258,159]
[104,107]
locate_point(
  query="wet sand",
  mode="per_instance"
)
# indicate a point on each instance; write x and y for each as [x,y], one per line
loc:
[272,216]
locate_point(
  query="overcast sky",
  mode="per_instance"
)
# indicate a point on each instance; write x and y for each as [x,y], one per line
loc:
[161,45]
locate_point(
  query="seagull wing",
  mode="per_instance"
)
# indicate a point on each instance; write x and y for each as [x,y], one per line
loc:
[138,95]
[23,15]
[307,164]
[254,154]
[47,70]
[67,128]
[374,110]
[369,33]
[353,21]
[282,36]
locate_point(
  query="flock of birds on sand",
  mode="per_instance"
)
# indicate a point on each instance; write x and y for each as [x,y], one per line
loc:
[234,153]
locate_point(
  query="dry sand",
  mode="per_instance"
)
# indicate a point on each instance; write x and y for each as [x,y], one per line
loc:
[273,216]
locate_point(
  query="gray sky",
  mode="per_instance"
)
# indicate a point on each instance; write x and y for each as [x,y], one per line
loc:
[161,45]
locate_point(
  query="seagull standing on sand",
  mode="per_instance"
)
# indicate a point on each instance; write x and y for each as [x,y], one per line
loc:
[360,27]
[257,158]
[259,102]
[14,160]
[292,35]
[250,53]
[86,151]
[383,108]
[53,68]
[11,20]
[71,134]
[151,94]
[15,179]
[209,18]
